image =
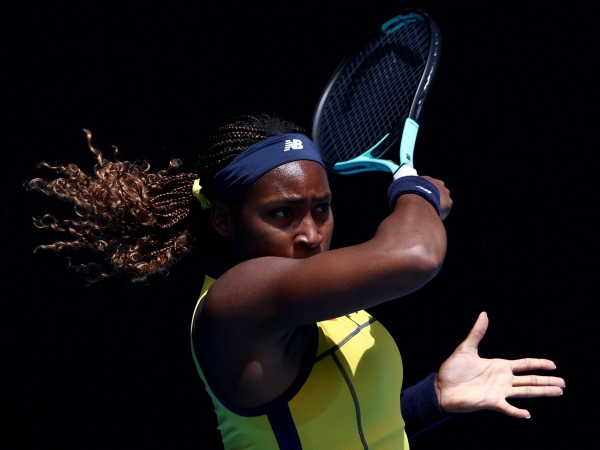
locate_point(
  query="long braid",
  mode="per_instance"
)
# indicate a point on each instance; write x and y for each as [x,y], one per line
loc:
[141,222]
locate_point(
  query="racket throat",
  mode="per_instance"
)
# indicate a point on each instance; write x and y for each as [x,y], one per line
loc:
[363,164]
[369,161]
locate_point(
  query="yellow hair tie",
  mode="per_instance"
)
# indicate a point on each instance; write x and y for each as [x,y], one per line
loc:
[196,188]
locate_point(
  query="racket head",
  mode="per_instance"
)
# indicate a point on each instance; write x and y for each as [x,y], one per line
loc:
[383,82]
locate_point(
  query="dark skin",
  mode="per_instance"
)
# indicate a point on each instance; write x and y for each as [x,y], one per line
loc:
[255,324]
[255,321]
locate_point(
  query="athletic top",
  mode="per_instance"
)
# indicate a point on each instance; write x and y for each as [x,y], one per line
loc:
[345,397]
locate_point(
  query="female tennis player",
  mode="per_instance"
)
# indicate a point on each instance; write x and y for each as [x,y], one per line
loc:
[280,337]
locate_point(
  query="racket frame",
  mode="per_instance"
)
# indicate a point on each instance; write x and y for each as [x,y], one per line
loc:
[408,127]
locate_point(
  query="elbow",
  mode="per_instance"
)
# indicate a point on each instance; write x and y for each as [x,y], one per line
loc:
[428,261]
[424,260]
[433,257]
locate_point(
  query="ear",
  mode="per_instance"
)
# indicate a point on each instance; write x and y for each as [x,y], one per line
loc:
[221,218]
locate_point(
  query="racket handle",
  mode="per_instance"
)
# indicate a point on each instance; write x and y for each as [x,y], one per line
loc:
[405,171]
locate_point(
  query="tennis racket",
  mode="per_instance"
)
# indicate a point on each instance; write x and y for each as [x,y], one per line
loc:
[375,97]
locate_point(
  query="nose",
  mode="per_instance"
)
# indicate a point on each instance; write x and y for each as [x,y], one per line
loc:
[307,234]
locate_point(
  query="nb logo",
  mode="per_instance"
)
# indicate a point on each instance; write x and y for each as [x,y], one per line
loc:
[295,144]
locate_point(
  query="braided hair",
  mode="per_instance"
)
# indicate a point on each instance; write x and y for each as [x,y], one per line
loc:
[138,222]
[230,140]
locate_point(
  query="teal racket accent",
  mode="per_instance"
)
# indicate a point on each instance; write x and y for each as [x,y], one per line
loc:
[397,22]
[407,144]
[370,161]
[365,162]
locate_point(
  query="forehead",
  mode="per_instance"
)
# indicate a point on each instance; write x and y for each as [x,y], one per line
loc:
[304,178]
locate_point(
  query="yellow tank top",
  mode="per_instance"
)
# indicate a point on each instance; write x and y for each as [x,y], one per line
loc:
[346,397]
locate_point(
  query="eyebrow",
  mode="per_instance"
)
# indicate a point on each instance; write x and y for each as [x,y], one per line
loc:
[296,200]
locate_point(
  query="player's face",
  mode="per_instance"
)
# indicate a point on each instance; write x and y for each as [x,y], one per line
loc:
[286,213]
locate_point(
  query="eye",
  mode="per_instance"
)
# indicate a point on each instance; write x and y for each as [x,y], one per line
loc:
[283,212]
[323,207]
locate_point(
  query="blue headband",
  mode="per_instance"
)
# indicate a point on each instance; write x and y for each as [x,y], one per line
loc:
[258,159]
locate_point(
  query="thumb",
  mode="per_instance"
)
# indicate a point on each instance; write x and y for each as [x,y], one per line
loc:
[477,332]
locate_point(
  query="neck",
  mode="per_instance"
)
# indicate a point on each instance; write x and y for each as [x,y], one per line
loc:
[219,262]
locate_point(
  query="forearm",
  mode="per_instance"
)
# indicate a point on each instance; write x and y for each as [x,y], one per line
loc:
[407,251]
[414,221]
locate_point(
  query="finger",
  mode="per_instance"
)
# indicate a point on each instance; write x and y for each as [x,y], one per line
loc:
[477,332]
[537,380]
[525,364]
[510,410]
[535,391]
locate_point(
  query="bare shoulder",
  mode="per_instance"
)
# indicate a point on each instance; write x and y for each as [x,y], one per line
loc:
[247,290]
[248,357]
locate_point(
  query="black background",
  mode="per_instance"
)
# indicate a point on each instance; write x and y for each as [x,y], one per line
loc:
[110,365]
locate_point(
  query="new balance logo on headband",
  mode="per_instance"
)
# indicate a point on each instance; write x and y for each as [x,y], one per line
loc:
[294,144]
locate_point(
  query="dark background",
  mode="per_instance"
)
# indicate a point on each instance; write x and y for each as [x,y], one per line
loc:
[110,365]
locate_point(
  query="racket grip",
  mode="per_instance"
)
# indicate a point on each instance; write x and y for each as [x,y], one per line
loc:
[405,171]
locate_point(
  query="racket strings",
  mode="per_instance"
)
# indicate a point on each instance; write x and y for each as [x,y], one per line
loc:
[374,92]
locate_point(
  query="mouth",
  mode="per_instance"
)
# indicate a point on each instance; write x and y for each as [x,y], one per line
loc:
[306,253]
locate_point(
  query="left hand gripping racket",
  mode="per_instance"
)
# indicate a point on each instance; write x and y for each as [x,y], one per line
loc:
[375,97]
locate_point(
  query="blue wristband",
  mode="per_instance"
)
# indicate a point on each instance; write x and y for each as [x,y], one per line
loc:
[421,408]
[414,185]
